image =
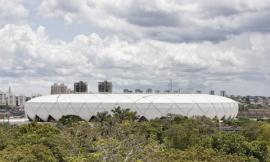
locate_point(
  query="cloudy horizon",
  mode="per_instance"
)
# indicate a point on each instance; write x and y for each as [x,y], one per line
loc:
[200,45]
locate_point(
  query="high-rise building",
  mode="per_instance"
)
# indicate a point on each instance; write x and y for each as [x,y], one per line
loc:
[223,93]
[11,99]
[212,92]
[149,90]
[80,87]
[59,88]
[104,87]
[21,100]
[3,98]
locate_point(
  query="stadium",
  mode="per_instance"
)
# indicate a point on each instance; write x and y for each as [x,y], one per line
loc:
[150,106]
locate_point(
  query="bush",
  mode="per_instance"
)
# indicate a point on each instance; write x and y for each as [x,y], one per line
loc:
[69,119]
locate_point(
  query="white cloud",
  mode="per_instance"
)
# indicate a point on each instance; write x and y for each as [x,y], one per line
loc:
[12,10]
[136,44]
[30,56]
[173,20]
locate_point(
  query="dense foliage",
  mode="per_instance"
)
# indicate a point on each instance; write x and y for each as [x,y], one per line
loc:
[121,136]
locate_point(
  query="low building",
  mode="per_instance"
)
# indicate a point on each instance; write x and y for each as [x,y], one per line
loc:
[35,95]
[127,91]
[166,91]
[138,91]
[199,92]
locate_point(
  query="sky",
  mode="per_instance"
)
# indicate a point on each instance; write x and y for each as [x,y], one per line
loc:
[198,44]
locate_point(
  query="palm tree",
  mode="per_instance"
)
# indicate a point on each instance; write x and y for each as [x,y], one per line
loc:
[102,117]
[124,114]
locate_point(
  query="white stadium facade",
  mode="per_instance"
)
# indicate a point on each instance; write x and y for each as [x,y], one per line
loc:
[149,106]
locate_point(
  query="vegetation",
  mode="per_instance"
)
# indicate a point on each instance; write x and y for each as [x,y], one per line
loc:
[122,136]
[69,119]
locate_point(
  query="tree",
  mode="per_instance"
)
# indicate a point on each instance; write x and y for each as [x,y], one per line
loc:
[232,143]
[264,132]
[101,117]
[121,138]
[200,154]
[251,130]
[124,114]
[181,136]
[27,153]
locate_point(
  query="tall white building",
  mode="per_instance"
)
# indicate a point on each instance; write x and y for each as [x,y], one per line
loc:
[59,89]
[21,100]
[3,98]
[11,99]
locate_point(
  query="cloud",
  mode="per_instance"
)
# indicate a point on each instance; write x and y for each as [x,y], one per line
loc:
[12,10]
[29,56]
[136,44]
[172,21]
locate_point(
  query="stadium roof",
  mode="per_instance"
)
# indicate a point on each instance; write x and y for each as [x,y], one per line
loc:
[148,105]
[133,98]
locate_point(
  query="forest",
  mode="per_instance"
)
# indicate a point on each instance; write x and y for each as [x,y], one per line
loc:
[121,135]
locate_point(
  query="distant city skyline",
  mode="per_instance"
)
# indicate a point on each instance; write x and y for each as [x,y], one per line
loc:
[136,44]
[94,89]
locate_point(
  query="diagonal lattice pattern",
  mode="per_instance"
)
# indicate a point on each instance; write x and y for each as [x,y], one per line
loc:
[147,105]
